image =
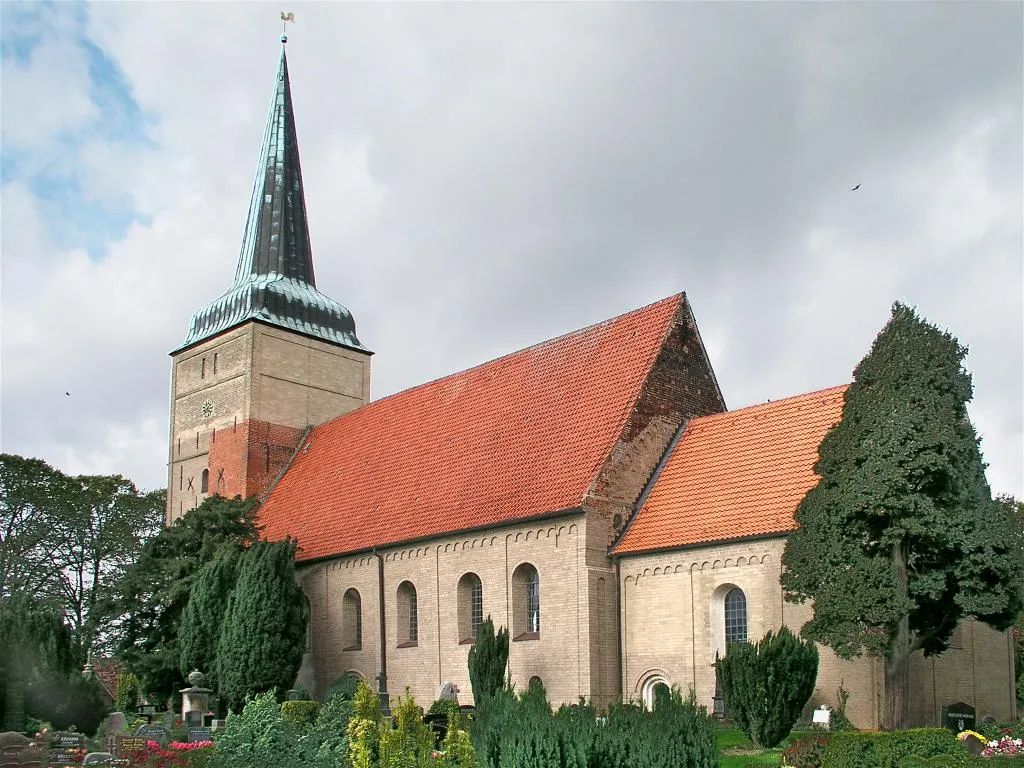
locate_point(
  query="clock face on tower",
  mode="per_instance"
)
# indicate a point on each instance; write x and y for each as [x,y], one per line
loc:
[207,408]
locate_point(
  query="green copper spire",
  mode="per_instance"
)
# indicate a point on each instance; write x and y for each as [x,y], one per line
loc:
[274,280]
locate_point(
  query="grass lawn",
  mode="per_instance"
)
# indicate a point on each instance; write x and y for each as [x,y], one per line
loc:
[737,751]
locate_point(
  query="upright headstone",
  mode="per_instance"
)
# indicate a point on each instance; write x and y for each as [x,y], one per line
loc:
[155,733]
[126,746]
[66,748]
[116,722]
[199,734]
[959,717]
[100,759]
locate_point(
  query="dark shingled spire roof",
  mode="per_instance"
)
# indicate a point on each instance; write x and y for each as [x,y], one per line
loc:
[274,280]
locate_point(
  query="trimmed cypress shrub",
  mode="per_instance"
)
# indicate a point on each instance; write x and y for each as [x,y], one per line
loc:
[766,684]
[487,661]
[264,633]
[201,621]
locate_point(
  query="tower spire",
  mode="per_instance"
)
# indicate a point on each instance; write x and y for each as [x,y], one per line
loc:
[274,281]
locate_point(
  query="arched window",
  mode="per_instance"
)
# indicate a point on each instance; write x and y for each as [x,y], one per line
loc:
[204,481]
[525,602]
[471,607]
[352,621]
[735,616]
[408,618]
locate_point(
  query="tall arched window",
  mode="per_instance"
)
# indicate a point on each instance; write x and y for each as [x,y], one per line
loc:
[525,602]
[204,481]
[471,607]
[352,621]
[735,616]
[408,615]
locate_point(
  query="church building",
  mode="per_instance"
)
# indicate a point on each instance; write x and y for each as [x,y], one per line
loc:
[592,493]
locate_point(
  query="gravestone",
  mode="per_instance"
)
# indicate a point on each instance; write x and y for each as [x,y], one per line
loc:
[447,691]
[193,719]
[959,717]
[155,733]
[100,758]
[66,747]
[116,722]
[199,734]
[126,745]
[14,739]
[822,716]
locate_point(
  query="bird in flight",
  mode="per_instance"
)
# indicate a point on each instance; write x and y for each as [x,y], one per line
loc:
[68,394]
[855,188]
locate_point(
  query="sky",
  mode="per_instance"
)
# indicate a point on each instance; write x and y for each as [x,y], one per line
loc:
[480,177]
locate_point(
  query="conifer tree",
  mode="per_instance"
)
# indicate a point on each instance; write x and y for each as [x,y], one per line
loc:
[487,661]
[766,684]
[263,637]
[901,539]
[201,622]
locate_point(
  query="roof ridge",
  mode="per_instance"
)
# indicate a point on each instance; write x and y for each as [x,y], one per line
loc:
[769,404]
[562,337]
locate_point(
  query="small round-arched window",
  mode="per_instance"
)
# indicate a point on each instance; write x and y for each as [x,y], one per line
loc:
[735,616]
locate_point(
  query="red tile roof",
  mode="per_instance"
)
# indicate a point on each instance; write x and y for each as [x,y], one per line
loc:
[736,474]
[517,437]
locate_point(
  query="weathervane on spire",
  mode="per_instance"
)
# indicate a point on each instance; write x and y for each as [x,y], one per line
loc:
[285,18]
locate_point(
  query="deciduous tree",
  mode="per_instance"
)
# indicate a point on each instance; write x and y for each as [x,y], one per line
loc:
[901,539]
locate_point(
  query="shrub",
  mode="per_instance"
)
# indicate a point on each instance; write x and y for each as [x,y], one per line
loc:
[456,748]
[839,721]
[327,741]
[258,735]
[891,749]
[444,707]
[127,693]
[487,661]
[344,686]
[301,715]
[410,742]
[806,752]
[766,684]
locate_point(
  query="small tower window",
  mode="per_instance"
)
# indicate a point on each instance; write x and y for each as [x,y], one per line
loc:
[204,481]
[202,368]
[214,362]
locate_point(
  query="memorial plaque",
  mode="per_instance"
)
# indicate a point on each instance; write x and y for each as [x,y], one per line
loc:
[128,744]
[199,734]
[959,717]
[66,748]
[11,754]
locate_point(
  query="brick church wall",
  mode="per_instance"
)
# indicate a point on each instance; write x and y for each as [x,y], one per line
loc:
[247,458]
[672,623]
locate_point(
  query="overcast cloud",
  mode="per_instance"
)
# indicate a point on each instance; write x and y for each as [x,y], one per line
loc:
[480,177]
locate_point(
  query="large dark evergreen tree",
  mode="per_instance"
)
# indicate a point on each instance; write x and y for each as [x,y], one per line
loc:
[901,538]
[201,622]
[488,659]
[264,632]
[156,589]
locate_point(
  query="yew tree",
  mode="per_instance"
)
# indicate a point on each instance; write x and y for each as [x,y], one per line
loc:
[263,636]
[901,539]
[200,626]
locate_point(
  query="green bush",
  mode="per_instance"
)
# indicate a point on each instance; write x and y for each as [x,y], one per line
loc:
[444,707]
[894,749]
[806,752]
[488,659]
[301,715]
[995,730]
[516,733]
[127,693]
[344,686]
[766,684]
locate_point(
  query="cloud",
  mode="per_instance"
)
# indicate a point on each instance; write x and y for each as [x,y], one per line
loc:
[480,177]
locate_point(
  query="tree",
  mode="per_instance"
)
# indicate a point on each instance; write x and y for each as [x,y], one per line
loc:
[766,684]
[155,590]
[488,659]
[264,632]
[901,538]
[204,614]
[69,539]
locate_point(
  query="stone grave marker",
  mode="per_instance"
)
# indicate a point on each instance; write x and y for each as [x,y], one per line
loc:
[157,733]
[100,759]
[959,717]
[66,747]
[126,745]
[822,716]
[199,734]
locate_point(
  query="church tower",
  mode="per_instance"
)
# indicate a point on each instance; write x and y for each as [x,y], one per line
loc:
[272,356]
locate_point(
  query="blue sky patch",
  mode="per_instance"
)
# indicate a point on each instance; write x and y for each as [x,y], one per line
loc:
[53,171]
